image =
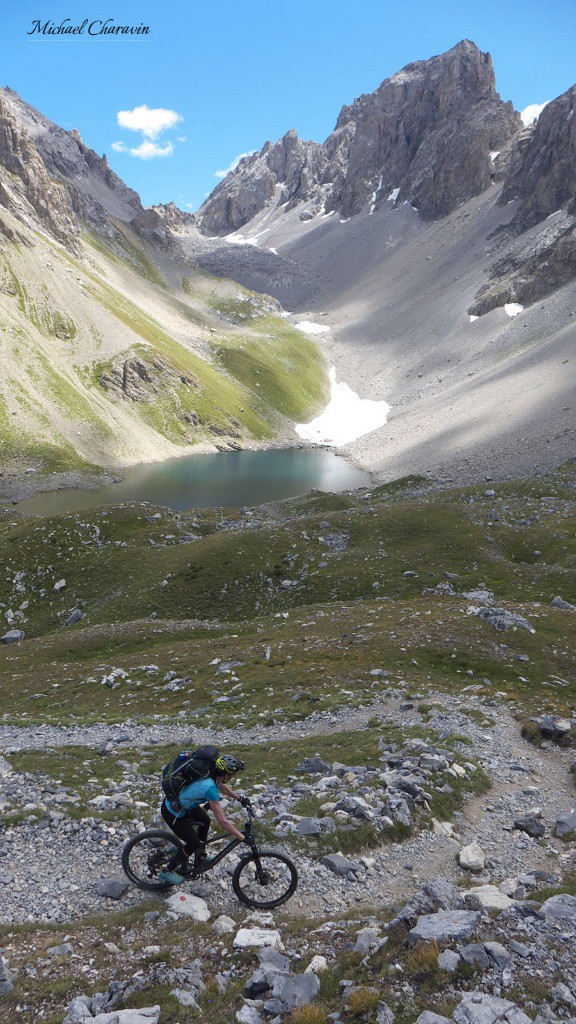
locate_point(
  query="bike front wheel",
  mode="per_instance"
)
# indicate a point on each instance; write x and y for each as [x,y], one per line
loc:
[264,879]
[146,855]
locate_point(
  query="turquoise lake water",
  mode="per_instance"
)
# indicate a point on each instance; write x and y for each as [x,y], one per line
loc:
[226,479]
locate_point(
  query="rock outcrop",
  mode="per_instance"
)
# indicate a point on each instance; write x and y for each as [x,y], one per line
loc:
[25,187]
[542,175]
[54,179]
[540,241]
[138,380]
[429,135]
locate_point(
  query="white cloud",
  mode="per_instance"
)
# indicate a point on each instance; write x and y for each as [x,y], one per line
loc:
[151,122]
[234,164]
[149,150]
[532,113]
[145,151]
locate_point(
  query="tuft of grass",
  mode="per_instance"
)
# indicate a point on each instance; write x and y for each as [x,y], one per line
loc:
[422,960]
[362,1001]
[312,1014]
[530,731]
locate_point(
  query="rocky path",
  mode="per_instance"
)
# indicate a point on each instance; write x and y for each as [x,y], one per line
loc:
[53,872]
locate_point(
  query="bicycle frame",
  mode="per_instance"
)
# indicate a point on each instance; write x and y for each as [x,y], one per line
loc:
[212,861]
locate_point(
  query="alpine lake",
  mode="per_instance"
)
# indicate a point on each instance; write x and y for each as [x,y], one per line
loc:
[224,479]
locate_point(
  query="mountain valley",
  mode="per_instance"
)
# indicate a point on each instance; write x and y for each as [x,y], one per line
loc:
[395,664]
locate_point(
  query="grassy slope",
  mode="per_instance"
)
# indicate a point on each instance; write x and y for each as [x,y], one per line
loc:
[65,322]
[278,579]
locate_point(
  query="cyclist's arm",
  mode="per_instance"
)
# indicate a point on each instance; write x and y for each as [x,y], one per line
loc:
[226,789]
[216,808]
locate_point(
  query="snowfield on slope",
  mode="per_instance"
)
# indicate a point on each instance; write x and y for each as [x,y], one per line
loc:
[345,418]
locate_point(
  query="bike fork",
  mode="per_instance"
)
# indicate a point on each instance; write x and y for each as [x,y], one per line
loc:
[261,874]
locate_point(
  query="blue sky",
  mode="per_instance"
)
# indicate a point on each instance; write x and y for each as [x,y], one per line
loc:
[227,76]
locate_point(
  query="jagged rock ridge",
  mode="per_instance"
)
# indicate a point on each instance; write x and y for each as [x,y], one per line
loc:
[63,184]
[427,135]
[540,241]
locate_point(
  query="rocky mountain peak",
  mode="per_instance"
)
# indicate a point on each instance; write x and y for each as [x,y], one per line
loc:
[425,135]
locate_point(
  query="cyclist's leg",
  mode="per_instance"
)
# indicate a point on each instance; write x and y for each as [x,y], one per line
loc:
[202,825]
[184,828]
[202,822]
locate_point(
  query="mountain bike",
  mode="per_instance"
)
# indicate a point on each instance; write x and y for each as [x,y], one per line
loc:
[262,879]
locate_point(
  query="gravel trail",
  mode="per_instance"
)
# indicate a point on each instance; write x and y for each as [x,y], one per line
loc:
[51,873]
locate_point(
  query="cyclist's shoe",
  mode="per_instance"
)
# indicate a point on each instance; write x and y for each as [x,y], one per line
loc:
[172,877]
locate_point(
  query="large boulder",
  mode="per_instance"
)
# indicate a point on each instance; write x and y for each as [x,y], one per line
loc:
[531,824]
[502,619]
[6,978]
[445,926]
[295,989]
[472,857]
[189,906]
[252,938]
[340,865]
[480,1008]
[565,824]
[437,894]
[560,908]
[13,636]
[487,897]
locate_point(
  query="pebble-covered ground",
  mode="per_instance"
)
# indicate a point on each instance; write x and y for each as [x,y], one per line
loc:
[50,864]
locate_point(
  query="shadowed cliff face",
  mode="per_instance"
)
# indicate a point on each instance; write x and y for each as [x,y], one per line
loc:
[427,132]
[540,241]
[543,170]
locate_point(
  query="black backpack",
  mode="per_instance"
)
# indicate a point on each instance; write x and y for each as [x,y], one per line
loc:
[188,767]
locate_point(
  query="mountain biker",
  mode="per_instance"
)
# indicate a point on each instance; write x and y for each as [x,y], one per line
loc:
[192,823]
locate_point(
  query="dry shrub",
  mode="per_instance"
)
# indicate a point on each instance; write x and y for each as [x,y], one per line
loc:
[311,1014]
[531,732]
[423,959]
[362,1000]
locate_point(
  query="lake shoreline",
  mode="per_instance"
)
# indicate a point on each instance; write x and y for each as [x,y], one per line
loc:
[227,479]
[22,483]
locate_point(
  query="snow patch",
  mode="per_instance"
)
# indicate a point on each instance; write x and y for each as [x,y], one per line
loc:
[310,328]
[393,195]
[513,308]
[494,154]
[275,251]
[237,239]
[532,113]
[345,418]
[473,318]
[374,194]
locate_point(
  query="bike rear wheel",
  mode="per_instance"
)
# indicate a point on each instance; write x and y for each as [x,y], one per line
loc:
[264,879]
[146,855]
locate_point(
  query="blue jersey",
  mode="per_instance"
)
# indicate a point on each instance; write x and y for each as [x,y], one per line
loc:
[194,794]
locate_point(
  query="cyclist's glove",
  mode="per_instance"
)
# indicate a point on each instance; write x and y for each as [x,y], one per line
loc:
[244,801]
